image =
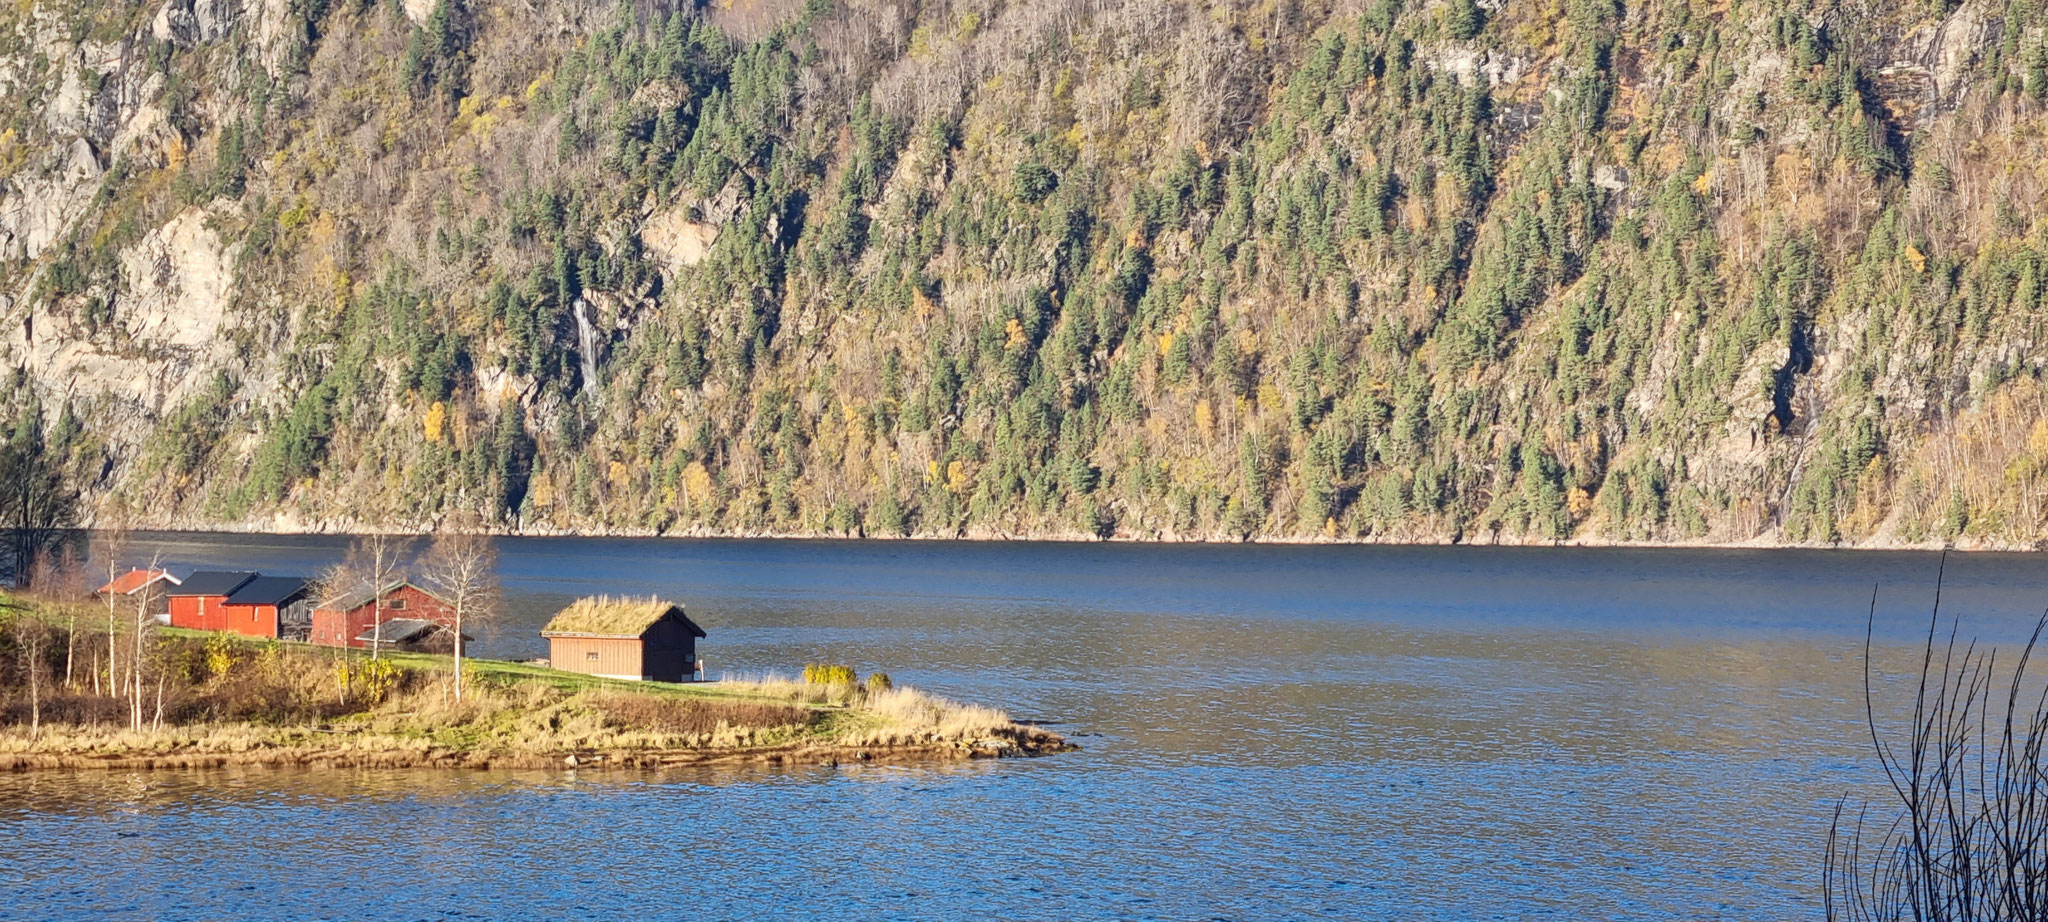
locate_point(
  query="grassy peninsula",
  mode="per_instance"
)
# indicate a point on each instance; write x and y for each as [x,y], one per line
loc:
[78,696]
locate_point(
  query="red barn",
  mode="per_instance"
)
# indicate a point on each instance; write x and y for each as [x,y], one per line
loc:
[197,603]
[266,606]
[349,620]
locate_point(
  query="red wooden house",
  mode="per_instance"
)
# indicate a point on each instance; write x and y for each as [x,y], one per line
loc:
[151,587]
[199,602]
[351,620]
[267,606]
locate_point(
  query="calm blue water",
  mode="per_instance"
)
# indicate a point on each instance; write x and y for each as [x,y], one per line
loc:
[1399,733]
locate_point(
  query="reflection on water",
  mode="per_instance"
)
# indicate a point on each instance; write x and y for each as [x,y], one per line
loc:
[1385,733]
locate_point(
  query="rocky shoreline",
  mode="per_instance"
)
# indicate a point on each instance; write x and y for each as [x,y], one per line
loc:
[1023,743]
[276,526]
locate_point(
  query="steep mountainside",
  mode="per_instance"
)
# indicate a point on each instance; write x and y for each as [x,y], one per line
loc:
[1673,270]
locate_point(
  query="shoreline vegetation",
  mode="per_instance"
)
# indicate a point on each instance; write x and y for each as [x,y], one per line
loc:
[76,699]
[1965,544]
[1961,833]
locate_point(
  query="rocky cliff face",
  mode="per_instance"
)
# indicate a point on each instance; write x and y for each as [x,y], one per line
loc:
[1670,271]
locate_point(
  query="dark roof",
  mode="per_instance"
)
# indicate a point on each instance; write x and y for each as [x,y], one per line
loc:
[212,582]
[404,631]
[270,590]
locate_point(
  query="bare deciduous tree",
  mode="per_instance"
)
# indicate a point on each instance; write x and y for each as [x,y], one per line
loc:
[38,505]
[31,639]
[143,623]
[463,566]
[373,562]
[110,549]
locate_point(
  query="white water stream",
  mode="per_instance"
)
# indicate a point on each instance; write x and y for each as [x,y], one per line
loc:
[586,346]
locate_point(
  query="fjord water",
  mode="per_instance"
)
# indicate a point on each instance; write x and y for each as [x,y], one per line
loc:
[1269,731]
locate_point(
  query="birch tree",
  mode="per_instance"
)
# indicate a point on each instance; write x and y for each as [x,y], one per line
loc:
[110,548]
[31,640]
[143,623]
[463,567]
[374,561]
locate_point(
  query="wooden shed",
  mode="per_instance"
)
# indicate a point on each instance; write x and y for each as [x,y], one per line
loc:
[637,639]
[350,619]
[200,601]
[267,606]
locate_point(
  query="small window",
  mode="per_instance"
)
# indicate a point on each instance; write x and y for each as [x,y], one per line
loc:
[395,605]
[591,656]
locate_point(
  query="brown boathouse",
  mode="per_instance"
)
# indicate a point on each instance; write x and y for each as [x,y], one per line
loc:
[624,639]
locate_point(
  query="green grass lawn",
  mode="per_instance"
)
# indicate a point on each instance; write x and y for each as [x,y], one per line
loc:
[500,672]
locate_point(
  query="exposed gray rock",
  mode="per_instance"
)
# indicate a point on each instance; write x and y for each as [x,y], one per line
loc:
[179,278]
[188,22]
[677,240]
[1473,67]
[47,199]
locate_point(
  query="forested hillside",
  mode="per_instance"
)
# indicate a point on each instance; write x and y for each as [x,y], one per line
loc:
[1674,270]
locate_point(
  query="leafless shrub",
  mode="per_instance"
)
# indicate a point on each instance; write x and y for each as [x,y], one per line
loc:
[73,708]
[1969,838]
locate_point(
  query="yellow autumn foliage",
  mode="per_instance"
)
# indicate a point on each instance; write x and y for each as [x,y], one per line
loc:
[1578,503]
[436,421]
[696,482]
[1270,398]
[959,475]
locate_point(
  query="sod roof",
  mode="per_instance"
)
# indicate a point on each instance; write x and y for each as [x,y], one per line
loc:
[608,617]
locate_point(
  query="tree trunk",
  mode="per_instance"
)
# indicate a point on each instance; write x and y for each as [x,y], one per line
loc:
[35,690]
[458,651]
[136,710]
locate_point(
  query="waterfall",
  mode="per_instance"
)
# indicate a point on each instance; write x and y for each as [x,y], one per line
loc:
[586,345]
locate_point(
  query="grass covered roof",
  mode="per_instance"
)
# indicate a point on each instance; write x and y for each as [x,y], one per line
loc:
[607,616]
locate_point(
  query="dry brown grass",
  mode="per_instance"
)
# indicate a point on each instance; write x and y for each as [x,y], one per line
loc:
[696,715]
[893,716]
